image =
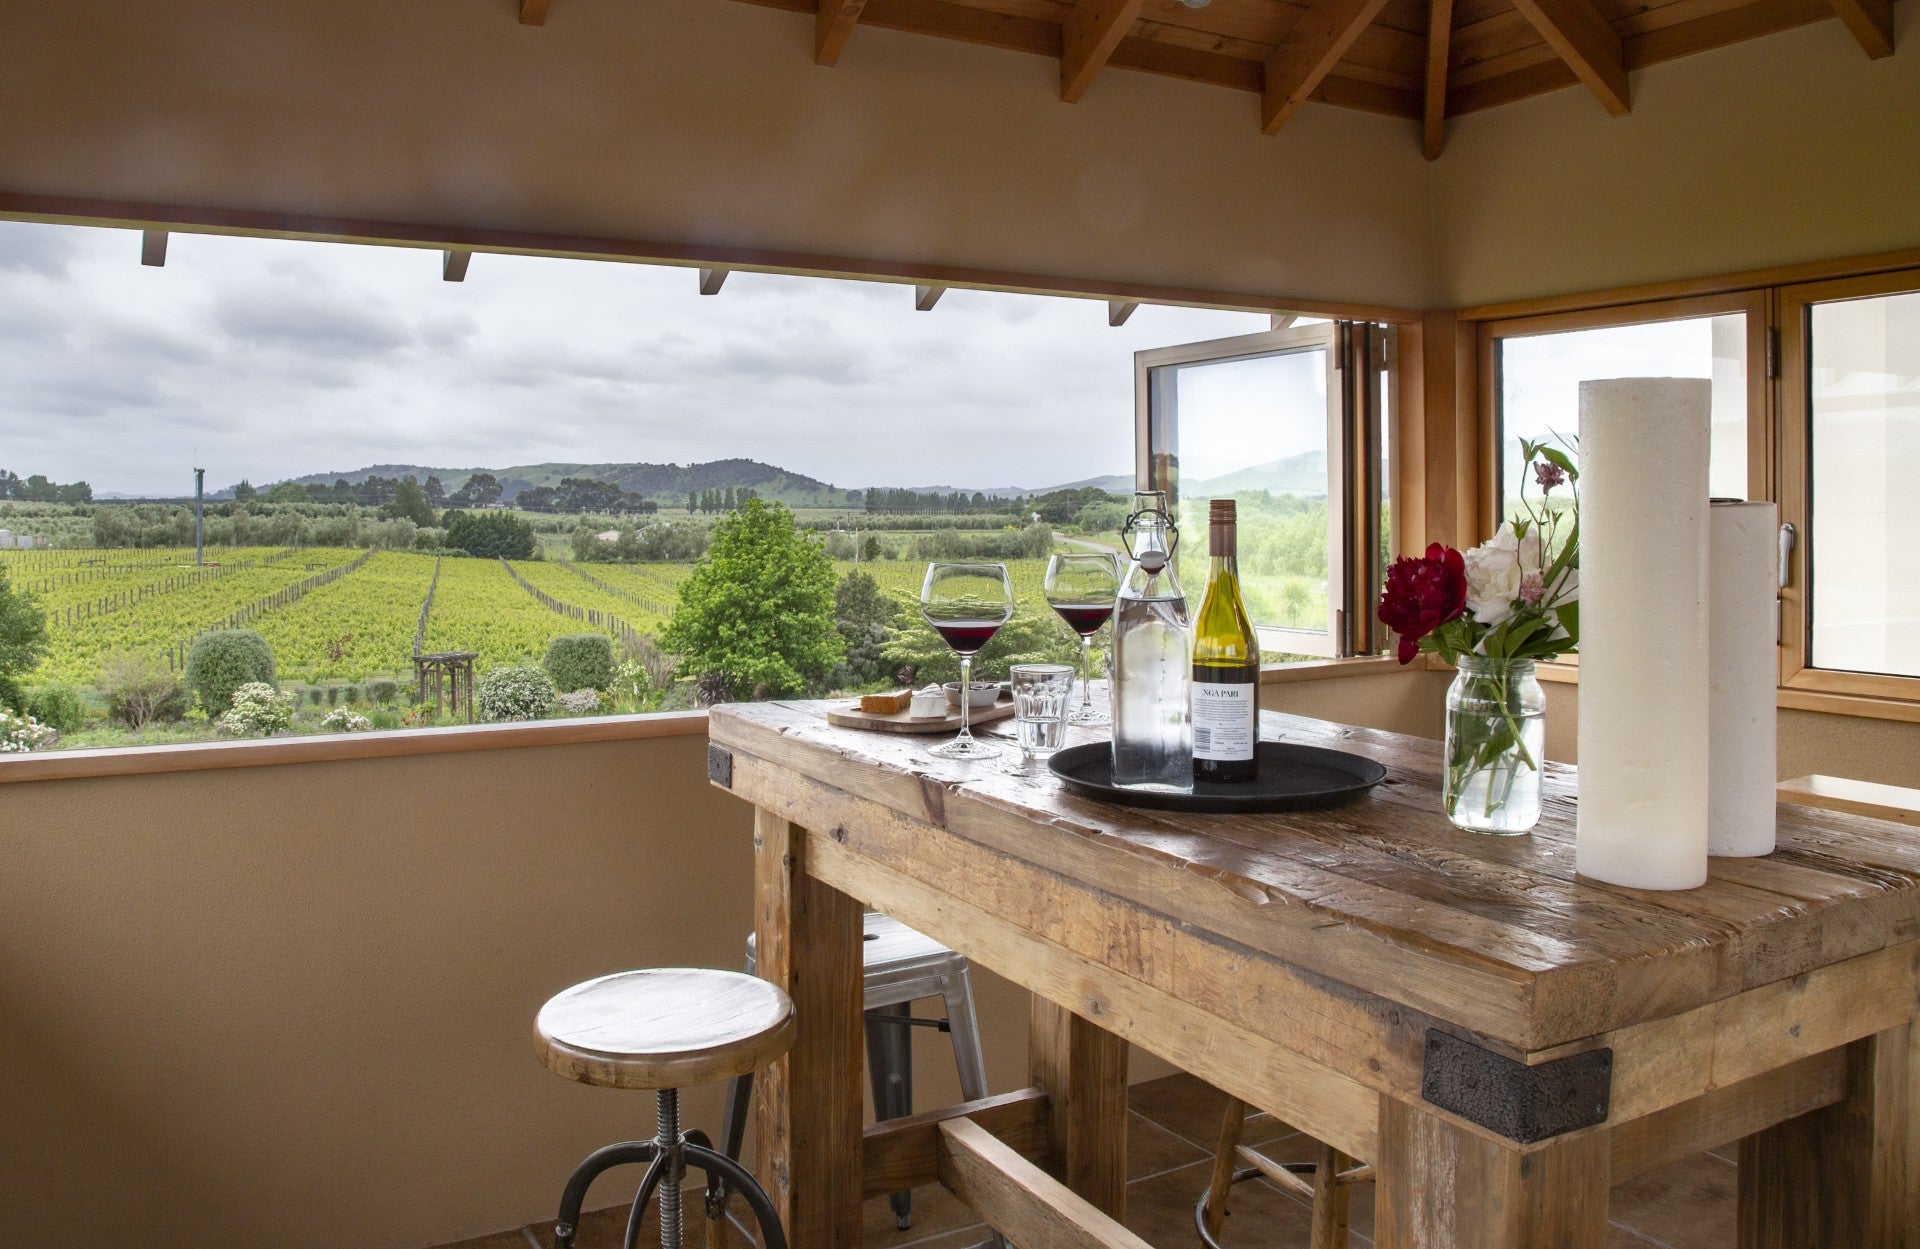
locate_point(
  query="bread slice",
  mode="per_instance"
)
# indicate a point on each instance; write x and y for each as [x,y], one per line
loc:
[886,704]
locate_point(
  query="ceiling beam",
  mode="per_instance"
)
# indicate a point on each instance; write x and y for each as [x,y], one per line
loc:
[1118,310]
[453,265]
[1439,45]
[711,280]
[153,248]
[1871,22]
[1308,54]
[833,22]
[925,297]
[533,12]
[1577,32]
[1282,321]
[1088,37]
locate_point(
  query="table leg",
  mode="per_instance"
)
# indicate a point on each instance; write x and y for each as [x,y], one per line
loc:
[1848,1174]
[1441,1186]
[1083,1068]
[807,1106]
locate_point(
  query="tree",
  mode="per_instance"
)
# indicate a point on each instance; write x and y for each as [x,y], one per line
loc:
[288,492]
[40,490]
[75,492]
[693,502]
[23,639]
[756,618]
[483,489]
[436,491]
[863,613]
[490,534]
[244,491]
[409,502]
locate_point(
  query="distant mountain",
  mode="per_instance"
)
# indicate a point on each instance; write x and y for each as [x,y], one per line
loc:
[1303,474]
[665,484]
[1116,483]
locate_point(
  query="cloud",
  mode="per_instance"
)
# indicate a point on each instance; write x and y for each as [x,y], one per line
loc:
[309,323]
[40,249]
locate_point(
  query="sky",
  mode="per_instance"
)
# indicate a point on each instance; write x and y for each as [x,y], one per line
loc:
[266,359]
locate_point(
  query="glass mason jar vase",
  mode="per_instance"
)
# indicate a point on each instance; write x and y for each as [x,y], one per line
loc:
[1496,729]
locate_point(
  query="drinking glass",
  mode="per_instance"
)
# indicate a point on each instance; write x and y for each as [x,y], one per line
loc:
[966,604]
[1041,693]
[1081,587]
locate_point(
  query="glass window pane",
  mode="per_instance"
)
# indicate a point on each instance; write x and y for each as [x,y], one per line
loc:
[1540,376]
[1254,429]
[1865,394]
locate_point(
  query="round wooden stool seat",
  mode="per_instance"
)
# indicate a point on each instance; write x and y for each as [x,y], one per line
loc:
[664,1028]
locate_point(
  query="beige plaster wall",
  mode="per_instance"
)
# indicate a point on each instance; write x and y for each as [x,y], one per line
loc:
[1788,148]
[706,122]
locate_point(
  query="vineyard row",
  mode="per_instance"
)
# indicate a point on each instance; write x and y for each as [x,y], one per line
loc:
[620,629]
[260,607]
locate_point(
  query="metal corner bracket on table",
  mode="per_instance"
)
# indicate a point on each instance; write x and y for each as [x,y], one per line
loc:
[1522,1103]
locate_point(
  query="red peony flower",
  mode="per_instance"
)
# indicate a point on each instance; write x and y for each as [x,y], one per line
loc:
[1423,594]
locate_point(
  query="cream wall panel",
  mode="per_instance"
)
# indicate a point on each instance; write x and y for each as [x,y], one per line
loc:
[706,122]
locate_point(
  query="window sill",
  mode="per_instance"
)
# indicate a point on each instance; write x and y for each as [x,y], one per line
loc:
[1332,669]
[58,765]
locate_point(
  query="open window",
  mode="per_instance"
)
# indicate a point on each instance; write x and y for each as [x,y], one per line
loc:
[1288,423]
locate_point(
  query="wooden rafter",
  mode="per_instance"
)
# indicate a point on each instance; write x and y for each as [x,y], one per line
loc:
[711,280]
[1439,43]
[1871,22]
[1118,310]
[153,248]
[1308,54]
[1088,38]
[833,22]
[453,264]
[925,297]
[1581,36]
[533,12]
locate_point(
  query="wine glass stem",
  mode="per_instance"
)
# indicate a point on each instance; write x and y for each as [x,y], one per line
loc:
[1086,672]
[966,696]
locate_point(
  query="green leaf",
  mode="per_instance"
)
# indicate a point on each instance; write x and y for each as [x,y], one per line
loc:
[1554,455]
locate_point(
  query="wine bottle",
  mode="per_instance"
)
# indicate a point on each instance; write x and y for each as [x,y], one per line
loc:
[1226,663]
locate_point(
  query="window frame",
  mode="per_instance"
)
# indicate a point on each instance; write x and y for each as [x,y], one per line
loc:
[1794,305]
[1359,355]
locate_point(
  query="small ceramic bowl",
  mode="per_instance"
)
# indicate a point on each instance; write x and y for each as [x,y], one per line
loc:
[983,694]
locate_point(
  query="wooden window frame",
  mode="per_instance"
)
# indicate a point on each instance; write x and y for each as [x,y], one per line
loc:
[1802,684]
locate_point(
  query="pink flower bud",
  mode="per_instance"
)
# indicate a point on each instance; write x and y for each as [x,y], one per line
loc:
[1533,588]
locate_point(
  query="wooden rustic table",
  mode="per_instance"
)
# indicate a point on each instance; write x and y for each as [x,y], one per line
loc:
[1503,1041]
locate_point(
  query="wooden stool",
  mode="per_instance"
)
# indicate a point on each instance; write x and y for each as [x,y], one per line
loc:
[1322,1183]
[663,1029]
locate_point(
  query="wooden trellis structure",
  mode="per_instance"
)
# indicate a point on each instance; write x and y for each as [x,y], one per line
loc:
[451,676]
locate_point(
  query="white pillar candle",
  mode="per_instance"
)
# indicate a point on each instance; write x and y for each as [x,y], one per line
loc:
[1643,632]
[1742,582]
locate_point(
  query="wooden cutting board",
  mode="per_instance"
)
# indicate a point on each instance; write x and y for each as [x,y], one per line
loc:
[851,717]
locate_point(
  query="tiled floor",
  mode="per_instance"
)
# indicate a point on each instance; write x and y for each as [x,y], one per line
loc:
[1174,1124]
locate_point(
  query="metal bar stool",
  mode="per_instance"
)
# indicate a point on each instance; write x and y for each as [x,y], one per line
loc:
[1322,1183]
[663,1029]
[900,966]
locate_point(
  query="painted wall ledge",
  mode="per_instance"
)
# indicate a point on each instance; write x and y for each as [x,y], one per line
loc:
[64,765]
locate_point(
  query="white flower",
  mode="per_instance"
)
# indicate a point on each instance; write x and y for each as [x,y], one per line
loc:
[1493,577]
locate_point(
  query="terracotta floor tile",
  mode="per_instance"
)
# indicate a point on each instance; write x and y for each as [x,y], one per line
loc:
[936,1213]
[1160,1211]
[603,1228]
[1689,1205]
[1192,1109]
[1152,1149]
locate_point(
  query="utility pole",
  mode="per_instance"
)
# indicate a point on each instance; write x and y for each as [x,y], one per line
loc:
[199,517]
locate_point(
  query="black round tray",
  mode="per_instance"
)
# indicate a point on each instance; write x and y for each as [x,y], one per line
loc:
[1292,778]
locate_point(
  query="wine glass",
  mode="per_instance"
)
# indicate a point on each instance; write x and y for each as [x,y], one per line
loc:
[966,604]
[1082,587]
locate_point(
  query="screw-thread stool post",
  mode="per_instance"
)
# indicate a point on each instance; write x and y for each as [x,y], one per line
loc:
[667,1136]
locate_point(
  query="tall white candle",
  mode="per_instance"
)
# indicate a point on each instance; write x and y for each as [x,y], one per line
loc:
[1743,577]
[1643,632]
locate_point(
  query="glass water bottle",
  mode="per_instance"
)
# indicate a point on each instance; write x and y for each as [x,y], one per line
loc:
[1152,658]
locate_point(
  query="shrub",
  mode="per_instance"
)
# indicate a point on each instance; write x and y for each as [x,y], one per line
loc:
[57,706]
[333,696]
[139,690]
[514,694]
[580,703]
[21,734]
[488,534]
[631,681]
[257,709]
[219,663]
[353,694]
[344,721]
[382,691]
[580,661]
[385,718]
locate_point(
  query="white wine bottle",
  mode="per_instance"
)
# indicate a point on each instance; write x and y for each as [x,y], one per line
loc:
[1226,663]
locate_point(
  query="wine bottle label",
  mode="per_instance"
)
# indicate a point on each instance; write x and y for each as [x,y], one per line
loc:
[1224,720]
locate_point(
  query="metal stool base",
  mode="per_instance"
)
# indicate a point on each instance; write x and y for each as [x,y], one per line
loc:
[668,1155]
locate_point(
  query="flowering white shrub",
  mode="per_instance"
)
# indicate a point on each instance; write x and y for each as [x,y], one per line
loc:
[20,734]
[344,721]
[259,710]
[514,694]
[580,703]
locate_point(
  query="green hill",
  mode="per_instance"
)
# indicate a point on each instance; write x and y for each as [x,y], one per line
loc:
[665,484]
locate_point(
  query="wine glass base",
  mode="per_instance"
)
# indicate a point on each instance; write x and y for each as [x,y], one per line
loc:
[1088,717]
[966,748]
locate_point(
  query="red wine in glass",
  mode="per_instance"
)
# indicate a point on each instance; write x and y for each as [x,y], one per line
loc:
[1085,618]
[966,637]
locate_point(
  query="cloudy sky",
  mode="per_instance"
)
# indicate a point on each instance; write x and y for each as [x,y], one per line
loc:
[268,359]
